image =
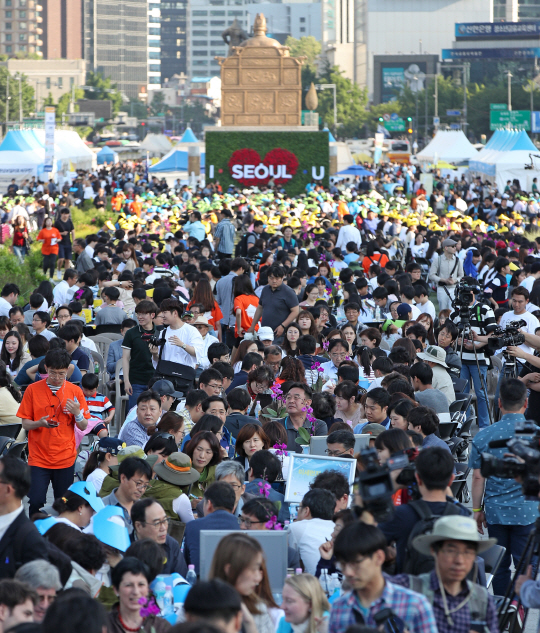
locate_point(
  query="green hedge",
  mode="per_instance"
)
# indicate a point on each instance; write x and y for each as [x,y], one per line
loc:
[311,150]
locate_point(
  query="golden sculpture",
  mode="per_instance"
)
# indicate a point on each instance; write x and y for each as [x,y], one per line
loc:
[311,98]
[261,84]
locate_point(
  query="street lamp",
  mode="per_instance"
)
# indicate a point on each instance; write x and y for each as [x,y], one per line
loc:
[333,87]
[509,90]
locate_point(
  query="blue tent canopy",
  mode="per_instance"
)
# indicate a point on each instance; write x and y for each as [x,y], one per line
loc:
[106,155]
[356,170]
[331,139]
[176,160]
[188,137]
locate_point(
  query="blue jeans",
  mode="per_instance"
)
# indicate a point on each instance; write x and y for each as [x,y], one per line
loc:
[514,538]
[61,479]
[137,390]
[471,371]
[21,252]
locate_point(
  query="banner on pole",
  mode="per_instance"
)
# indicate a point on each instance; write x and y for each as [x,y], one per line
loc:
[50,121]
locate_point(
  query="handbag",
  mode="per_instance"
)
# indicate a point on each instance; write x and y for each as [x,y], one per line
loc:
[181,376]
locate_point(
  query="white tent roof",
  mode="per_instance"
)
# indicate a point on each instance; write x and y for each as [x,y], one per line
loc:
[451,146]
[156,144]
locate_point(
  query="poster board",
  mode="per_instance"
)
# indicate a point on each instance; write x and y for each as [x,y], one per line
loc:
[304,468]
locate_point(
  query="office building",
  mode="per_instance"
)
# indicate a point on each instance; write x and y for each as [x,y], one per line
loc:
[173,39]
[62,29]
[20,27]
[298,19]
[116,42]
[154,45]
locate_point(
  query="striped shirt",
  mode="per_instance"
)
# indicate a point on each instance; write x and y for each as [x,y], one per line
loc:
[225,231]
[482,322]
[411,607]
[99,406]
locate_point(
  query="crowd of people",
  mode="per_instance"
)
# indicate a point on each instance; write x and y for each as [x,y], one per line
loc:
[244,324]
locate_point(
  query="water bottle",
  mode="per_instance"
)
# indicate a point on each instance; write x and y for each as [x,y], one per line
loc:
[191,575]
[168,606]
[336,586]
[324,581]
[340,313]
[96,367]
[159,591]
[377,314]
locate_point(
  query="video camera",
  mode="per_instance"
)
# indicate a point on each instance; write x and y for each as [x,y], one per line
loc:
[509,336]
[524,462]
[374,484]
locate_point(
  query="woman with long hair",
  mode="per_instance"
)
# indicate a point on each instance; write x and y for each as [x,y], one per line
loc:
[45,289]
[348,406]
[487,267]
[130,257]
[373,256]
[12,353]
[365,357]
[205,453]
[238,356]
[305,605]
[398,411]
[10,398]
[311,294]
[426,320]
[292,370]
[24,333]
[292,334]
[408,345]
[350,294]
[20,237]
[100,460]
[349,334]
[239,561]
[307,324]
[434,246]
[50,238]
[202,293]
[266,261]
[245,305]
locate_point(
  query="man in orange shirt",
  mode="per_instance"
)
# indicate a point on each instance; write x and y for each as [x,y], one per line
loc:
[49,410]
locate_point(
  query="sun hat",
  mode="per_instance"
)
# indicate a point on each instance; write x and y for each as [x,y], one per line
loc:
[88,493]
[43,525]
[433,354]
[176,469]
[265,334]
[452,528]
[134,451]
[201,320]
[109,527]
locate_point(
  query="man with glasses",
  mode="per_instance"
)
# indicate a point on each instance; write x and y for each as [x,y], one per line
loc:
[49,411]
[135,432]
[340,444]
[298,406]
[40,322]
[272,358]
[134,475]
[454,544]
[446,270]
[338,350]
[211,381]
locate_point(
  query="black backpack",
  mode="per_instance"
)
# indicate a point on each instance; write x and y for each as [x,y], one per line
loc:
[416,563]
[241,249]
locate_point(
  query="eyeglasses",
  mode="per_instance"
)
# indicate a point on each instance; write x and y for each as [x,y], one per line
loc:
[453,552]
[293,396]
[57,374]
[338,354]
[215,386]
[334,453]
[158,524]
[165,436]
[233,486]
[141,485]
[248,522]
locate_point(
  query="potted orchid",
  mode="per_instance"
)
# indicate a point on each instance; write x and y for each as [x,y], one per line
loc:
[277,409]
[304,435]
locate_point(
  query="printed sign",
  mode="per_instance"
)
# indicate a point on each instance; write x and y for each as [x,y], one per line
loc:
[490,53]
[304,468]
[497,29]
[517,119]
[50,121]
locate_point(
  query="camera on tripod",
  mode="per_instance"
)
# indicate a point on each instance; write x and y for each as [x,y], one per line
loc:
[464,295]
[509,336]
[374,484]
[524,461]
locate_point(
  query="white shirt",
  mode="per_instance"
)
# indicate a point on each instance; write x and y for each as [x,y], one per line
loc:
[330,370]
[306,537]
[427,308]
[532,324]
[7,519]
[89,250]
[96,478]
[188,335]
[528,282]
[182,506]
[348,233]
[63,293]
[207,341]
[89,344]
[5,307]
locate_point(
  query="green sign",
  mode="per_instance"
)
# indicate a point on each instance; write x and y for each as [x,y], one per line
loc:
[395,125]
[517,119]
[498,106]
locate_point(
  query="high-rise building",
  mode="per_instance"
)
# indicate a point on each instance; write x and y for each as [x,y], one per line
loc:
[116,42]
[173,38]
[62,29]
[154,45]
[20,27]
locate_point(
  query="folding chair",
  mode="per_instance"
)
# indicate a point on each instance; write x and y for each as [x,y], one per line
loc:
[459,383]
[10,430]
[492,559]
[104,329]
[447,430]
[120,400]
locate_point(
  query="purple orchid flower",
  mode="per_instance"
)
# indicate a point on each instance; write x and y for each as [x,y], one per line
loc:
[148,607]
[264,488]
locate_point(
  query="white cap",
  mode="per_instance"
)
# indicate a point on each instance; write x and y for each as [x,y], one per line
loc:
[265,334]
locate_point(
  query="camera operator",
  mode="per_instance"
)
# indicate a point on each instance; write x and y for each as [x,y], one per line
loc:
[482,322]
[504,511]
[520,299]
[434,474]
[446,270]
[530,374]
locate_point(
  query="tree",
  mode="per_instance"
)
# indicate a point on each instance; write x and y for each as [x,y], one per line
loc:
[158,105]
[28,98]
[102,88]
[308,46]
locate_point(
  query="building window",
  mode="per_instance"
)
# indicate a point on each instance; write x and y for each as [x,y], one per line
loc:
[217,13]
[9,49]
[8,26]
[22,3]
[8,37]
[217,23]
[199,13]
[8,14]
[154,43]
[22,37]
[154,80]
[71,82]
[180,42]
[200,62]
[235,13]
[22,26]
[48,83]
[8,3]
[154,55]
[199,43]
[302,29]
[216,43]
[152,30]
[218,54]
[153,19]
[178,54]
[22,14]
[153,5]
[182,31]
[200,53]
[154,68]
[197,33]
[302,19]
[199,23]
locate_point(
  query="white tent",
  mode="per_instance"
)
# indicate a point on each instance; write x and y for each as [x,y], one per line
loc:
[156,144]
[450,146]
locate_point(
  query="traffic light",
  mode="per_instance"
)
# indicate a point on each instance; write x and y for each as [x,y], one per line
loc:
[381,120]
[409,125]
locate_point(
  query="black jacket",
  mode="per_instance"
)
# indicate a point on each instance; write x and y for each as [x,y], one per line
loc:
[175,558]
[235,421]
[20,544]
[239,379]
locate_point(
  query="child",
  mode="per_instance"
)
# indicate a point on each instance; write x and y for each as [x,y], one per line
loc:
[99,406]
[423,303]
[110,313]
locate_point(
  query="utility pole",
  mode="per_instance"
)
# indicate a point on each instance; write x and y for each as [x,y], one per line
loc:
[7,101]
[465,77]
[510,91]
[20,101]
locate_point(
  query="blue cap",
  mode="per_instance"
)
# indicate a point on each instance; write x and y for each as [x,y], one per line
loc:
[88,493]
[403,310]
[109,445]
[110,528]
[43,525]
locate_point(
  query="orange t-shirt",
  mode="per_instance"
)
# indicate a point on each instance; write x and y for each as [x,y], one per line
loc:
[52,237]
[213,316]
[51,448]
[376,258]
[248,305]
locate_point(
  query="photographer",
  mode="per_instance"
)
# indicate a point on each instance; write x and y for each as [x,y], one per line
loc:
[446,270]
[504,511]
[482,321]
[434,474]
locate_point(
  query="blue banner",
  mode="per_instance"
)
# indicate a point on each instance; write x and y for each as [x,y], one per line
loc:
[497,29]
[490,53]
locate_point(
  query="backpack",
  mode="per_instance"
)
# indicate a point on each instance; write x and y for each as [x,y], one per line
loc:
[478,602]
[416,563]
[241,249]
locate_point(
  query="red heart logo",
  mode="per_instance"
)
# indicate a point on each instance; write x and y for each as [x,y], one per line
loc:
[279,164]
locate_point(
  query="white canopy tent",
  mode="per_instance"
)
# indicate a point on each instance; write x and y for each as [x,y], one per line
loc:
[451,146]
[156,145]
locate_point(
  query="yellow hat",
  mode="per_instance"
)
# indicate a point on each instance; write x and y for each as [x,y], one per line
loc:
[504,218]
[454,226]
[513,267]
[503,229]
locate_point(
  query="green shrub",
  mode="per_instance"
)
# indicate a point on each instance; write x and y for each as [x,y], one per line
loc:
[27,275]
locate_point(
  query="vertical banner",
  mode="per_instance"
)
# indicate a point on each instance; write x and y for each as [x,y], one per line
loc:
[50,121]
